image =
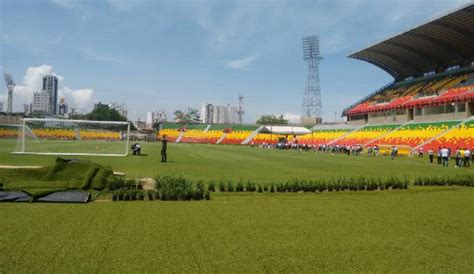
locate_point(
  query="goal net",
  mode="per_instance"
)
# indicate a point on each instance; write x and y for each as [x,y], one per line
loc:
[73,137]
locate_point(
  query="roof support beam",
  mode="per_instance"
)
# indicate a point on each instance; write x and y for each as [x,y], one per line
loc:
[403,61]
[447,48]
[459,30]
[433,61]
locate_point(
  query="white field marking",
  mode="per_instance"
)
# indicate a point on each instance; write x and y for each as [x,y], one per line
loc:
[19,167]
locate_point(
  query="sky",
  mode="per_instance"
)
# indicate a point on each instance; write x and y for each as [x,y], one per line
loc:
[169,55]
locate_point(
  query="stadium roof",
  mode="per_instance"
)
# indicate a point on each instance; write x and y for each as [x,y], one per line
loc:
[437,45]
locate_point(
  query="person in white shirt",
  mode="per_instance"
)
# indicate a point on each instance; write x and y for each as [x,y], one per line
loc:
[467,158]
[445,156]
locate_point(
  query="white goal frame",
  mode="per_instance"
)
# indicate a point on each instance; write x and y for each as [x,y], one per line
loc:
[24,128]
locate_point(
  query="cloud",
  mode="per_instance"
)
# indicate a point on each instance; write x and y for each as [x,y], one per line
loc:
[81,99]
[241,64]
[292,118]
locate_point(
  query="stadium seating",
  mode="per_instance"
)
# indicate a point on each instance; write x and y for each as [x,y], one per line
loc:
[415,134]
[236,137]
[462,136]
[440,90]
[366,134]
[322,136]
[171,133]
[236,134]
[267,138]
[201,136]
[69,134]
[7,132]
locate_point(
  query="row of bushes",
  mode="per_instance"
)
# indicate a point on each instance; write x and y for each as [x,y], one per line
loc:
[128,195]
[337,184]
[128,184]
[457,180]
[171,188]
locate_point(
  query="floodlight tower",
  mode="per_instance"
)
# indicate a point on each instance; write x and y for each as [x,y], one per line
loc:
[10,86]
[312,107]
[241,111]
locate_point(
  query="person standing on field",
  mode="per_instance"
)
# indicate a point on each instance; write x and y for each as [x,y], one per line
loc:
[431,154]
[164,145]
[467,157]
[445,156]
[438,157]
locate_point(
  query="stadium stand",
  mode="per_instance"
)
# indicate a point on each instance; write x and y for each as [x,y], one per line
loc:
[433,70]
[8,131]
[366,134]
[462,136]
[322,136]
[415,134]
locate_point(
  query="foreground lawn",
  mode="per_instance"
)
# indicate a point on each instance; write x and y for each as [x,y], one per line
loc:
[205,162]
[416,230]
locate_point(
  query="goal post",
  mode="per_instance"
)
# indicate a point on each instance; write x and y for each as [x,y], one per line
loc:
[73,137]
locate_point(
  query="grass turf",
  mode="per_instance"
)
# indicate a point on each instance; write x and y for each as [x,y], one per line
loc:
[418,230]
[422,229]
[205,162]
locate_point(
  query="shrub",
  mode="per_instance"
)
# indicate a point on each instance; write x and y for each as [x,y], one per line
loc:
[120,195]
[178,188]
[141,196]
[211,186]
[230,186]
[150,195]
[239,186]
[221,186]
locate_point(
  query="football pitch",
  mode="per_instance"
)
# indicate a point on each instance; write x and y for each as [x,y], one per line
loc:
[422,229]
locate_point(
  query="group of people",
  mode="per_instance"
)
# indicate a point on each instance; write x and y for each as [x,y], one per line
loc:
[462,156]
[137,149]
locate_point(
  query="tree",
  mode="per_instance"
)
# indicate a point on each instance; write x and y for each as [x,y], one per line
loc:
[272,120]
[103,112]
[190,116]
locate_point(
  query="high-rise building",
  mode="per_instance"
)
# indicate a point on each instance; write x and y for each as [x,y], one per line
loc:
[41,102]
[120,108]
[207,113]
[50,86]
[1,107]
[214,114]
[62,107]
[153,117]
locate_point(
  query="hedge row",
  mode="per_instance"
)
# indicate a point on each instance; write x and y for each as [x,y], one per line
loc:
[457,180]
[336,184]
[125,184]
[128,195]
[171,188]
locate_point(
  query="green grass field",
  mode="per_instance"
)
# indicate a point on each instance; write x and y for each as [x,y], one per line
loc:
[422,229]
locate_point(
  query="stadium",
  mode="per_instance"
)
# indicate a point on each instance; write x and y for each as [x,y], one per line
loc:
[260,198]
[430,103]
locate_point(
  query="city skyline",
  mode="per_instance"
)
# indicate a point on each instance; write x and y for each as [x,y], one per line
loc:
[171,56]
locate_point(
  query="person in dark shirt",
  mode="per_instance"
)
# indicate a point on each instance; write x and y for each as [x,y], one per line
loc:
[164,144]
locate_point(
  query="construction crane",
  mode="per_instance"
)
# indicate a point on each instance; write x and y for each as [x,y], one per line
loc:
[10,86]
